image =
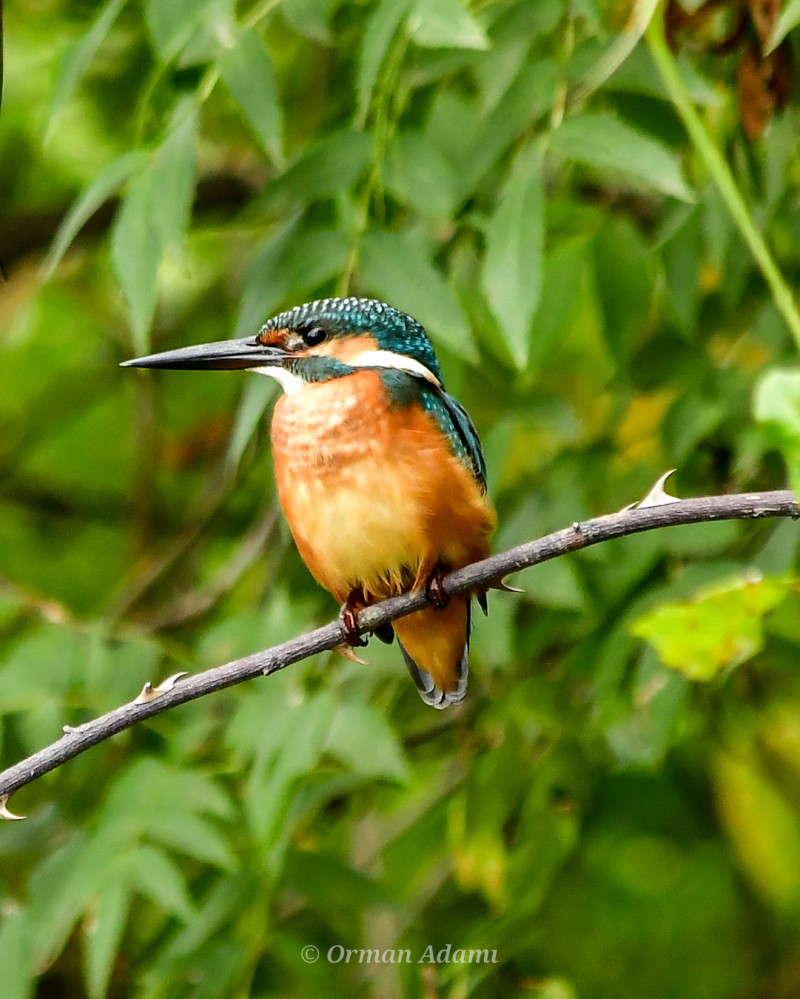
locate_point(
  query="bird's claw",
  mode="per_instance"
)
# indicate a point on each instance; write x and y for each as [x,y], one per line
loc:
[434,589]
[348,620]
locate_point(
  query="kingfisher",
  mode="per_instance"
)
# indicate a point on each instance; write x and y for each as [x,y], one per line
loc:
[379,471]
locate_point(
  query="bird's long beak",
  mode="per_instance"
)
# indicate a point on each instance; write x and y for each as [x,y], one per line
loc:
[221,356]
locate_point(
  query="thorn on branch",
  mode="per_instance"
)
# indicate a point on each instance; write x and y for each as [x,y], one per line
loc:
[347,650]
[656,495]
[475,578]
[150,693]
[5,811]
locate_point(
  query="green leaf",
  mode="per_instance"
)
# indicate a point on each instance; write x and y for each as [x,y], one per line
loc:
[397,268]
[274,775]
[682,255]
[257,394]
[554,988]
[310,17]
[172,24]
[135,255]
[322,170]
[639,75]
[380,30]
[285,269]
[788,19]
[153,217]
[173,177]
[91,198]
[15,959]
[421,176]
[720,628]
[155,875]
[228,897]
[777,405]
[191,834]
[512,269]
[64,885]
[246,69]
[530,96]
[607,143]
[103,934]
[77,57]
[648,732]
[777,401]
[624,279]
[326,882]
[361,738]
[446,24]
[498,68]
[562,295]
[152,798]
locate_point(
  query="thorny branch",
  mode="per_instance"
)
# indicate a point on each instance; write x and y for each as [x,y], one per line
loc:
[656,511]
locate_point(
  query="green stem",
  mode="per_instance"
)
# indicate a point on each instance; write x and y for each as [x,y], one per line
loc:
[721,174]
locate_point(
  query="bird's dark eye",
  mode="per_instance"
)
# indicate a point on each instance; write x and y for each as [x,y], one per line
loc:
[315,335]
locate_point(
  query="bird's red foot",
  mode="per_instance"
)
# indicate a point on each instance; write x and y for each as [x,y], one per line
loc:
[348,618]
[434,590]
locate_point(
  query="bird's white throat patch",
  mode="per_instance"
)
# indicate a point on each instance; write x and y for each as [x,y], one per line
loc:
[288,381]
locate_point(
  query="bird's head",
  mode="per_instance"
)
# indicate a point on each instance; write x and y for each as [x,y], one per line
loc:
[315,342]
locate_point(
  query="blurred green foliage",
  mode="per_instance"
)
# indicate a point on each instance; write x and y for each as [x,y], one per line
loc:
[616,810]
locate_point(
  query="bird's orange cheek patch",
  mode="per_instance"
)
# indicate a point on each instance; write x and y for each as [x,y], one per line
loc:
[274,338]
[346,348]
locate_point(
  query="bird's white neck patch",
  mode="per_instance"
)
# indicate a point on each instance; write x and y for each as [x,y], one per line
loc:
[388,359]
[289,382]
[292,383]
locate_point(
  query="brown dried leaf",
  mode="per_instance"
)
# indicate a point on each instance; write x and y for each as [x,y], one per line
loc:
[764,14]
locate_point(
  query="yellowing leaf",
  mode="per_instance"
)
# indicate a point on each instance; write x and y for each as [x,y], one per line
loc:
[764,828]
[639,432]
[718,629]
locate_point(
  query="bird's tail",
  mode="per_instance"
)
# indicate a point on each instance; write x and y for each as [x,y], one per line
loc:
[435,646]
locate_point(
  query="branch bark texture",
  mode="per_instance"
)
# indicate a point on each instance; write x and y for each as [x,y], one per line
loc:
[743,506]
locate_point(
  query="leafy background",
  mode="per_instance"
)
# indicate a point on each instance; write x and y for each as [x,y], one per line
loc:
[599,226]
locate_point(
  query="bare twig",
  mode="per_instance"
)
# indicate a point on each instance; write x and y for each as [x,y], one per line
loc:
[744,506]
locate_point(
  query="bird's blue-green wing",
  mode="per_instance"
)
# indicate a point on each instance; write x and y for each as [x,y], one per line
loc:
[406,389]
[455,423]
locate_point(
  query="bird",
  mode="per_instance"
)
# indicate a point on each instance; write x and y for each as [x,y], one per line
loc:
[379,471]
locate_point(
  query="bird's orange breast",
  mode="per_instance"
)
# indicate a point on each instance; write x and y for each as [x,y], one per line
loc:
[372,493]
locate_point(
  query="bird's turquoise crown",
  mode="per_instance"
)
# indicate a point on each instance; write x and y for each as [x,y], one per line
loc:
[393,330]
